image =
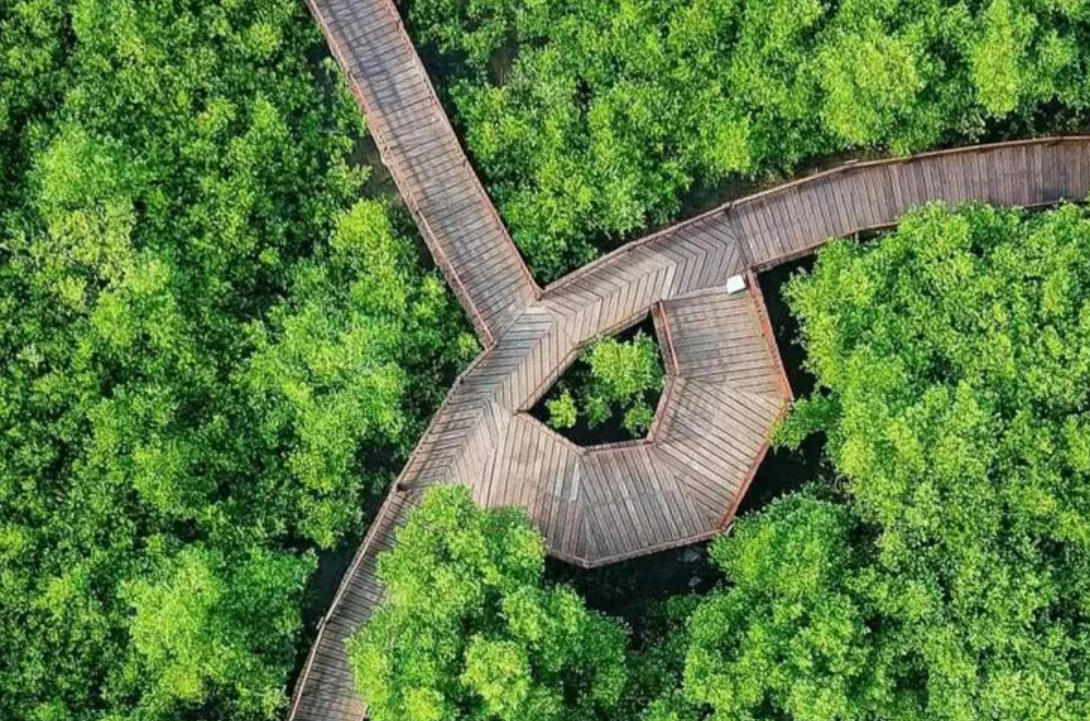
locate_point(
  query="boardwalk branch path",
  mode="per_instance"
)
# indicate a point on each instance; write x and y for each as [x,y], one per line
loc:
[454,214]
[726,387]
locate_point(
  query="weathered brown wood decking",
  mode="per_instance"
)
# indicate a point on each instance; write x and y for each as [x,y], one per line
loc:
[455,216]
[726,387]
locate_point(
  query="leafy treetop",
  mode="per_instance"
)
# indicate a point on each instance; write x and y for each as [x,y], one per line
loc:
[614,376]
[213,356]
[468,630]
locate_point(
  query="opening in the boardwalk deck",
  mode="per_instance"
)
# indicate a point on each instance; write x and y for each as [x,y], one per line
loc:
[610,393]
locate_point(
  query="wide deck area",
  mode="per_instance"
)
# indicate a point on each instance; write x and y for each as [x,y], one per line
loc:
[726,387]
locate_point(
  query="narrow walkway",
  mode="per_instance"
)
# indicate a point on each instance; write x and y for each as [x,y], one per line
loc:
[417,143]
[726,387]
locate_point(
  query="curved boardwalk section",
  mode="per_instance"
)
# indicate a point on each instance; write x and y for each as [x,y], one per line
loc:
[792,219]
[725,387]
[774,226]
[416,141]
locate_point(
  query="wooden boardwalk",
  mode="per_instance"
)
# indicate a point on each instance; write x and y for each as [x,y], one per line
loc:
[415,139]
[725,383]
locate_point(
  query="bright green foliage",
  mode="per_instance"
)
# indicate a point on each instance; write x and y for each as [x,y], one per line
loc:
[638,418]
[563,413]
[206,369]
[956,354]
[594,119]
[625,369]
[468,630]
[996,55]
[789,633]
[953,366]
[334,372]
[614,376]
[200,621]
[622,375]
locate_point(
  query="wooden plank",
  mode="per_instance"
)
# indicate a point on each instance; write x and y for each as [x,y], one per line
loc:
[368,39]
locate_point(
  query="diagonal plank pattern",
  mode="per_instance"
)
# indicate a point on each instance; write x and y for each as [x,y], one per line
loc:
[726,387]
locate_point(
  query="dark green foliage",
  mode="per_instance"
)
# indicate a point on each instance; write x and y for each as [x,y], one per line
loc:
[655,666]
[469,631]
[613,378]
[950,582]
[210,357]
[614,110]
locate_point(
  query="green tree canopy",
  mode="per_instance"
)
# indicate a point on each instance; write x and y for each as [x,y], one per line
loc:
[353,359]
[947,578]
[953,359]
[202,620]
[613,377]
[594,119]
[213,357]
[791,632]
[468,630]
